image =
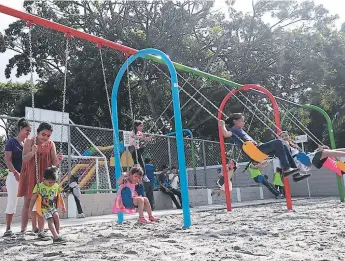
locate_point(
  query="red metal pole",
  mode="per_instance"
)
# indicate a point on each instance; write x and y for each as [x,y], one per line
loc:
[222,143]
[223,150]
[65,29]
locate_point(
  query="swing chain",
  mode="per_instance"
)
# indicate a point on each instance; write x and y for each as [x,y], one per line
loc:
[301,126]
[108,98]
[32,89]
[104,78]
[131,111]
[64,89]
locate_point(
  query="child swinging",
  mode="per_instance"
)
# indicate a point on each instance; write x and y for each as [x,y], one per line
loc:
[232,167]
[129,197]
[256,174]
[235,132]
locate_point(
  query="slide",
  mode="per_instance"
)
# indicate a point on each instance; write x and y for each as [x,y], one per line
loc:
[84,181]
[75,169]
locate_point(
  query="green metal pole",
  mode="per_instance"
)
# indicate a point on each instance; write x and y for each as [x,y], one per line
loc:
[195,71]
[331,137]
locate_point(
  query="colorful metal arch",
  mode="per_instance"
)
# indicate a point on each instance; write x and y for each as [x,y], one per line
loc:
[178,126]
[222,142]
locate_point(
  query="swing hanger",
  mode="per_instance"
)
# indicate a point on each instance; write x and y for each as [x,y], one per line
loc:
[247,146]
[340,164]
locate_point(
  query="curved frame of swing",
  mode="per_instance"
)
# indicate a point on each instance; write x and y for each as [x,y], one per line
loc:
[222,142]
[331,137]
[178,126]
[192,148]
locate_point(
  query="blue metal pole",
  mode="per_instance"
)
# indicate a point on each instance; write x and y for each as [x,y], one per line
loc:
[178,127]
[183,130]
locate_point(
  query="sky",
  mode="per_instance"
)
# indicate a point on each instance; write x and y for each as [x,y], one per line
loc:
[334,6]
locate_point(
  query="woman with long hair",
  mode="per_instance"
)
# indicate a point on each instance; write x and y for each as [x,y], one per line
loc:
[45,149]
[13,161]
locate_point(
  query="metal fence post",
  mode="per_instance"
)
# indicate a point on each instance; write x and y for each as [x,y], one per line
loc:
[69,151]
[169,152]
[97,175]
[194,162]
[204,158]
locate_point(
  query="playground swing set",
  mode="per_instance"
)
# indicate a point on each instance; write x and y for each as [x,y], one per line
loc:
[159,57]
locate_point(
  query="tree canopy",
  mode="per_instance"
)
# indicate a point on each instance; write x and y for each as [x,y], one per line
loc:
[291,48]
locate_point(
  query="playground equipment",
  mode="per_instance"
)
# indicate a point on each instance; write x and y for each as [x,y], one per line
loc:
[178,126]
[87,172]
[155,56]
[222,142]
[329,165]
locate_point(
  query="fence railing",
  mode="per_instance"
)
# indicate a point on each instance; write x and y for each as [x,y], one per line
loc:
[89,154]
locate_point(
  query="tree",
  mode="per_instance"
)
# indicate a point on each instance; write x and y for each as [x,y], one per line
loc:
[298,55]
[14,94]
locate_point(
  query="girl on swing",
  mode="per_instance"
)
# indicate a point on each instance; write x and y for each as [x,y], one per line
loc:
[323,153]
[286,138]
[129,197]
[274,147]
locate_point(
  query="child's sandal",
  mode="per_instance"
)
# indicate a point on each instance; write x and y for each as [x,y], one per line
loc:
[153,219]
[142,221]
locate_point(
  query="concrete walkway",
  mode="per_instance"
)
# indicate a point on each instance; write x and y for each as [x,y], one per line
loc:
[111,218]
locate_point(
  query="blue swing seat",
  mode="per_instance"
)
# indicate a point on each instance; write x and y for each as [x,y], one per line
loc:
[127,198]
[304,159]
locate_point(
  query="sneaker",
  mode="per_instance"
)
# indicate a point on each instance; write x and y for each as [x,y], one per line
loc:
[59,240]
[21,236]
[43,236]
[8,233]
[33,232]
[81,215]
[299,177]
[290,171]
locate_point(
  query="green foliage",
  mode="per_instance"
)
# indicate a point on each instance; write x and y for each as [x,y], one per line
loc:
[299,55]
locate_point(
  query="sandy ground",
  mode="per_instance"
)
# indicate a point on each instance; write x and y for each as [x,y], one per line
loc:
[313,231]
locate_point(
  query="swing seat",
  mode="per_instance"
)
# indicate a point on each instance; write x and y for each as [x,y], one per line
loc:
[127,199]
[341,165]
[303,158]
[127,159]
[331,165]
[253,152]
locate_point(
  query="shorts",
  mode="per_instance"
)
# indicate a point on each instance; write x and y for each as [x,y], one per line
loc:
[49,213]
[317,161]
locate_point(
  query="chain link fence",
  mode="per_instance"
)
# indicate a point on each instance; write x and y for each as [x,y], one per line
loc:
[89,155]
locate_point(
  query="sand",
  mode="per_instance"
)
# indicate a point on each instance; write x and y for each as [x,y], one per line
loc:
[314,230]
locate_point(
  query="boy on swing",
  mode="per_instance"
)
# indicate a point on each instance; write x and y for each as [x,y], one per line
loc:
[256,174]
